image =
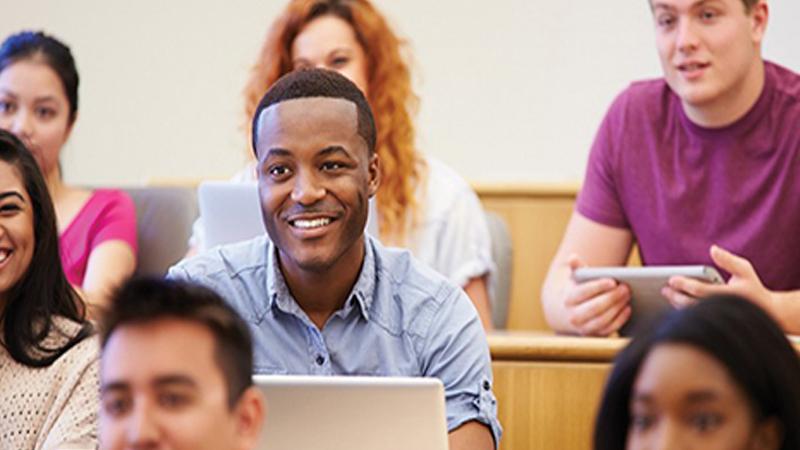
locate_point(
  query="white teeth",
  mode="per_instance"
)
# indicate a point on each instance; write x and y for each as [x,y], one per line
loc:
[4,255]
[314,223]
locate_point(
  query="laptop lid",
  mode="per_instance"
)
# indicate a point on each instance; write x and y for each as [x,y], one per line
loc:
[353,413]
[229,212]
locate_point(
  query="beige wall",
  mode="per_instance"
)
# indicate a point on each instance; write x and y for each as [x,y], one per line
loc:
[511,92]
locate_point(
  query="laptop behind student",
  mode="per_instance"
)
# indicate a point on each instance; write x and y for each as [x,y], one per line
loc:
[229,212]
[353,413]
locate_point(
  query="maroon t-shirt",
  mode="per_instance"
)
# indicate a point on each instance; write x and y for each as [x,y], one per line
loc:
[680,187]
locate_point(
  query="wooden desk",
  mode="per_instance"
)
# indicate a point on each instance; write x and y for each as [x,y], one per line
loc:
[549,387]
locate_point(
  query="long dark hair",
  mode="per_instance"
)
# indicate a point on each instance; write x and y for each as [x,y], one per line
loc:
[43,292]
[738,334]
[36,44]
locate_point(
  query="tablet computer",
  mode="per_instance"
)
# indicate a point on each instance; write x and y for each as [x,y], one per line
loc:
[645,284]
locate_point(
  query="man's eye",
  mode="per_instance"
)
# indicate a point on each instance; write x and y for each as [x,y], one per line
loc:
[332,165]
[665,21]
[116,406]
[708,15]
[172,400]
[278,170]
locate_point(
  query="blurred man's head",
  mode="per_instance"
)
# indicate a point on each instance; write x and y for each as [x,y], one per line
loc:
[176,371]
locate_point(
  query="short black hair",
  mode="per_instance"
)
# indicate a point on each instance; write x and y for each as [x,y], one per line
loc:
[308,83]
[146,300]
[37,44]
[737,333]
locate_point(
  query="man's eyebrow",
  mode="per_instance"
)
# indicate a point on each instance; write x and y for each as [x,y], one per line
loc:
[114,386]
[6,194]
[160,381]
[335,150]
[697,4]
[277,151]
[165,380]
[659,5]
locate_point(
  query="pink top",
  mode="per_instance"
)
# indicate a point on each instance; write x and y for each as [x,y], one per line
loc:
[107,215]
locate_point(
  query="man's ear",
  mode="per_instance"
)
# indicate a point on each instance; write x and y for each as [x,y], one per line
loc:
[250,412]
[759,17]
[374,173]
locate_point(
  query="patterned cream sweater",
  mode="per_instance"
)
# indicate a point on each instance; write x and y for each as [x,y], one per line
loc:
[52,407]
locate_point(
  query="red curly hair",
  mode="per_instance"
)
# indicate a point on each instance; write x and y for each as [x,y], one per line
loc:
[389,94]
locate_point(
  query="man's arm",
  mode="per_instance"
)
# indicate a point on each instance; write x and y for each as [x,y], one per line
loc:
[784,307]
[471,436]
[598,307]
[455,350]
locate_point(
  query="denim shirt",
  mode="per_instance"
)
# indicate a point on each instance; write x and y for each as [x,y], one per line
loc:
[400,319]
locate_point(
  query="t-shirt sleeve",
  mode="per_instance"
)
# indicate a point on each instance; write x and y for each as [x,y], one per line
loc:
[599,198]
[457,353]
[117,221]
[465,247]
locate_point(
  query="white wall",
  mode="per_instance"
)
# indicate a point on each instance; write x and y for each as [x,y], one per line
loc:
[511,90]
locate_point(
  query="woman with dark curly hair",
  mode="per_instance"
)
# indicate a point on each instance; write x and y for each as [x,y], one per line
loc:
[422,204]
[718,375]
[48,358]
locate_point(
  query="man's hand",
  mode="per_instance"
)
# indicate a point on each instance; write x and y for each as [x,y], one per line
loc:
[597,307]
[744,282]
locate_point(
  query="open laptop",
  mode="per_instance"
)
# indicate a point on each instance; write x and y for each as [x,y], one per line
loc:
[352,413]
[230,212]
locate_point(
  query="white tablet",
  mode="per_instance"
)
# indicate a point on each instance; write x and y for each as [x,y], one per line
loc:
[645,284]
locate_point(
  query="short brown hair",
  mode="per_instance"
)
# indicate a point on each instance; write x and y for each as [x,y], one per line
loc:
[147,300]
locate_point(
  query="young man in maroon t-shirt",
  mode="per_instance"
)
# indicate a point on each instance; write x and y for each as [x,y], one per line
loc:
[698,167]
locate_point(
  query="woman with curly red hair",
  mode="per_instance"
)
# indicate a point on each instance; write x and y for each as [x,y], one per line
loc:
[422,204]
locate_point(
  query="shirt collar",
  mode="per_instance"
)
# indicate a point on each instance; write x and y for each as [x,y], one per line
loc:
[363,291]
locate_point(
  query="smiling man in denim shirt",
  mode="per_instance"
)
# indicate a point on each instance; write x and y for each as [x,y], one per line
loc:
[320,296]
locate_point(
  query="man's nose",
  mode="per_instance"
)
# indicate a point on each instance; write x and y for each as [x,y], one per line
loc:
[687,38]
[142,430]
[307,189]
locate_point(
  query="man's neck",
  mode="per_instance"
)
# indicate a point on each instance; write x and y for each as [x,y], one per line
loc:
[730,106]
[322,293]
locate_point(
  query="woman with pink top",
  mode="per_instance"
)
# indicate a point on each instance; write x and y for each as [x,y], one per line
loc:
[39,104]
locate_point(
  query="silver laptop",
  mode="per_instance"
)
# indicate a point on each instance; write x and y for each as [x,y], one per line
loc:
[230,212]
[352,413]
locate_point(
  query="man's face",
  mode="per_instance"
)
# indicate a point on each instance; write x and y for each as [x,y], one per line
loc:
[315,178]
[708,48]
[161,388]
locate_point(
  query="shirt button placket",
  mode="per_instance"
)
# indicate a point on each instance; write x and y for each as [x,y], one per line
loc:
[320,361]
